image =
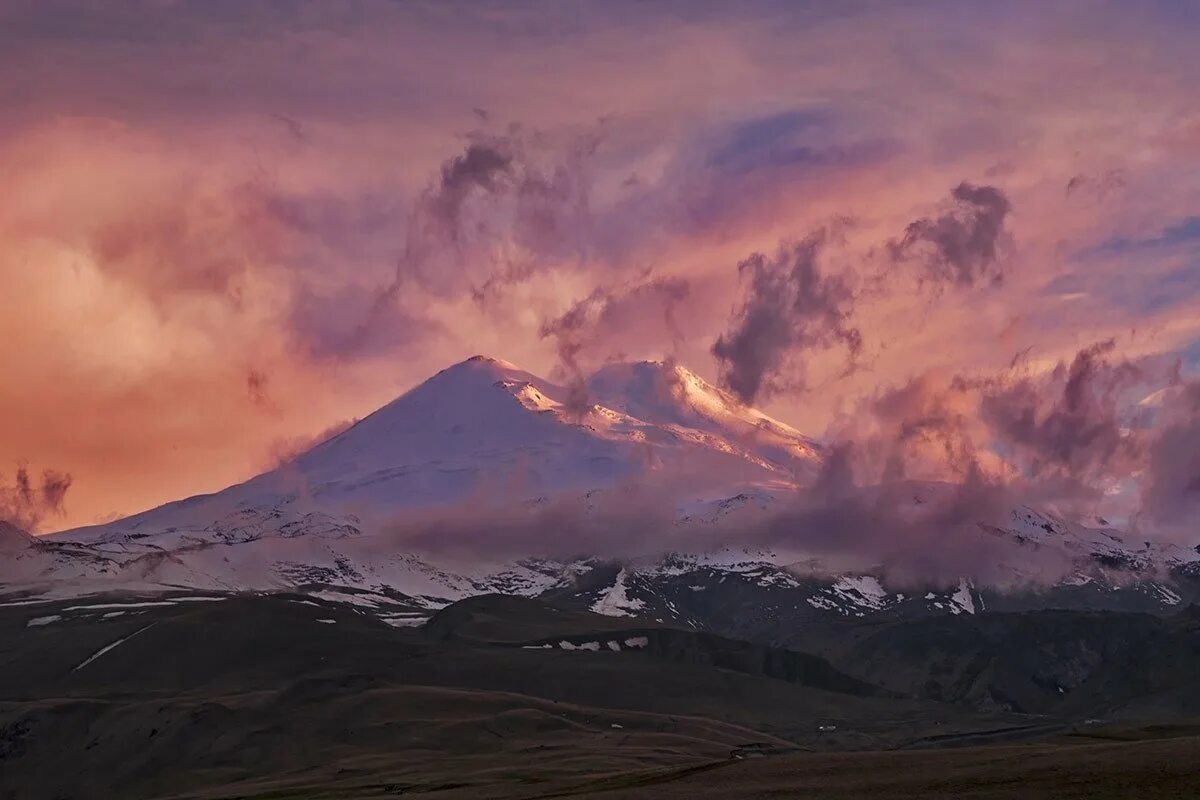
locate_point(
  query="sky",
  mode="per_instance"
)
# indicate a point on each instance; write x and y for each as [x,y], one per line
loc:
[228,227]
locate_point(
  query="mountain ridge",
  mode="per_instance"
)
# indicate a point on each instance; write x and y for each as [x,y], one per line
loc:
[501,447]
[485,425]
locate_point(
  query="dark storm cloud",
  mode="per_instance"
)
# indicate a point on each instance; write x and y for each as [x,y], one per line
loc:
[789,305]
[962,246]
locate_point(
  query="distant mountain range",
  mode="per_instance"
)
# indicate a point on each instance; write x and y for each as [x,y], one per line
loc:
[484,434]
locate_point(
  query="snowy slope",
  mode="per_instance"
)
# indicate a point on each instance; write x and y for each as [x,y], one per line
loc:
[677,400]
[485,430]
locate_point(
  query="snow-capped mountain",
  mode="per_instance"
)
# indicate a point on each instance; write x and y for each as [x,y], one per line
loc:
[484,432]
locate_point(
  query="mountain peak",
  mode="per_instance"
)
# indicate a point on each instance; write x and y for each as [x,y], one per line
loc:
[463,383]
[647,379]
[481,364]
[484,427]
[486,360]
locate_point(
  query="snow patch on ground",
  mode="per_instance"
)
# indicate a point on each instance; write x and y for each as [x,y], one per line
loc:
[362,600]
[824,603]
[864,591]
[102,606]
[108,648]
[39,621]
[616,602]
[1167,596]
[404,620]
[852,595]
[962,601]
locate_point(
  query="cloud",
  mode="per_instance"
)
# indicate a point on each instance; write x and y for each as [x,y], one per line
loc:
[486,167]
[962,246]
[284,450]
[629,520]
[789,305]
[1183,231]
[1170,489]
[1097,186]
[1069,437]
[348,321]
[922,429]
[905,489]
[794,305]
[793,144]
[912,533]
[1070,428]
[1072,439]
[258,391]
[26,503]
[510,204]
[1078,438]
[642,311]
[610,321]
